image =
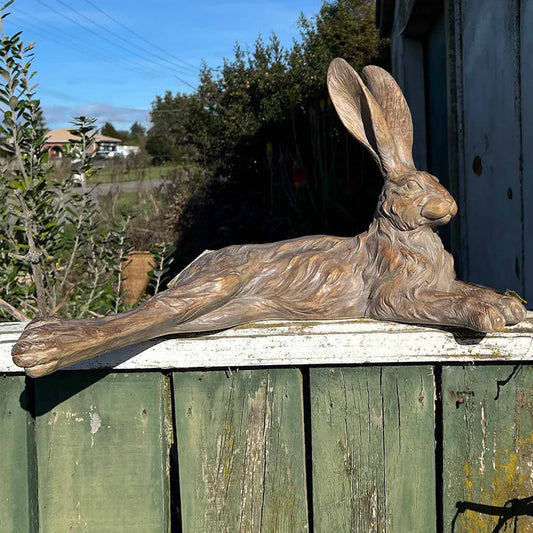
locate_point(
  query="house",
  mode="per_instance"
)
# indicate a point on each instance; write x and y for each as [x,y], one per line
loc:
[129,150]
[56,140]
[466,73]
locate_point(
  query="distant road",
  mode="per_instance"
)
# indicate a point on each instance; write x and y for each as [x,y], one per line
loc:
[127,186]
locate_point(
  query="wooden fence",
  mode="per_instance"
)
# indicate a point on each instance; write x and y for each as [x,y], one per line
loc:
[349,426]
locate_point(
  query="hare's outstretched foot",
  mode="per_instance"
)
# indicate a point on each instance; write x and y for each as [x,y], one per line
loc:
[484,317]
[507,307]
[513,310]
[37,349]
[443,308]
[48,345]
[510,306]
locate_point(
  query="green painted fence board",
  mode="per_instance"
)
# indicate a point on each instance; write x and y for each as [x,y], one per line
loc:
[409,408]
[373,449]
[488,448]
[241,451]
[102,452]
[14,502]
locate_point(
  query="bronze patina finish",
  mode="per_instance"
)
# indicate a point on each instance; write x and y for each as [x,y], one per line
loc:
[397,270]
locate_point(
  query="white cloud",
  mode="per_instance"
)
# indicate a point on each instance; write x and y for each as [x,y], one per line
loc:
[60,116]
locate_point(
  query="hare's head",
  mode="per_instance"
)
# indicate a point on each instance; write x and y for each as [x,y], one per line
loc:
[374,110]
[416,199]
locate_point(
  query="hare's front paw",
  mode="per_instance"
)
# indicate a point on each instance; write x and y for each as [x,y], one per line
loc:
[485,317]
[513,310]
[36,351]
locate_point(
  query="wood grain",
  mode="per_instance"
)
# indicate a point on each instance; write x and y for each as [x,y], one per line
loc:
[492,123]
[241,453]
[526,80]
[14,493]
[370,427]
[488,448]
[102,451]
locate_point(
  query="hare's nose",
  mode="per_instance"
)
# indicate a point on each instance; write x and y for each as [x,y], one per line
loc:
[453,208]
[436,208]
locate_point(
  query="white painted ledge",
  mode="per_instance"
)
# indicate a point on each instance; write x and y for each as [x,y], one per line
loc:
[306,343]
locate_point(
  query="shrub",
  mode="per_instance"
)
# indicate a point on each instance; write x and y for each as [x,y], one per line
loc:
[55,257]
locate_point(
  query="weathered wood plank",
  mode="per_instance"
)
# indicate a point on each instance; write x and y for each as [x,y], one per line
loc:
[102,451]
[526,78]
[370,426]
[408,394]
[240,449]
[347,447]
[492,138]
[14,497]
[488,448]
[290,343]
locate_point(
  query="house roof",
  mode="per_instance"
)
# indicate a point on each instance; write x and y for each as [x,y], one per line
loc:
[63,135]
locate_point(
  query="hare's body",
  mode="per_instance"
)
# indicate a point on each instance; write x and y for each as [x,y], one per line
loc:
[397,270]
[312,277]
[404,263]
[319,275]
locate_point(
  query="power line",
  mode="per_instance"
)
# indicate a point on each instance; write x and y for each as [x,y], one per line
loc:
[186,82]
[143,39]
[62,40]
[65,39]
[116,35]
[91,31]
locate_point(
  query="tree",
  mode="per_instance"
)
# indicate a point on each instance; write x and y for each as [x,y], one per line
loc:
[109,130]
[171,136]
[55,255]
[280,162]
[137,131]
[343,28]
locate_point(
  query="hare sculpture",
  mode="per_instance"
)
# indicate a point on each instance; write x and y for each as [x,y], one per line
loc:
[397,270]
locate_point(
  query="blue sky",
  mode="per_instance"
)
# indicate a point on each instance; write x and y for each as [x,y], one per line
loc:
[88,62]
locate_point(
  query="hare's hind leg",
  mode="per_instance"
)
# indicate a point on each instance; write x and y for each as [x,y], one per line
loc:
[511,308]
[46,346]
[235,312]
[439,308]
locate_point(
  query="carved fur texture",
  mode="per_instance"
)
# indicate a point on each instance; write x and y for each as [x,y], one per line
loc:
[397,270]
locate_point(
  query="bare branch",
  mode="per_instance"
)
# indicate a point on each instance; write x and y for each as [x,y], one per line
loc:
[62,302]
[8,308]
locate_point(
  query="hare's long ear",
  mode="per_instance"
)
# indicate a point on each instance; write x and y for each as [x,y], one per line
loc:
[390,98]
[362,116]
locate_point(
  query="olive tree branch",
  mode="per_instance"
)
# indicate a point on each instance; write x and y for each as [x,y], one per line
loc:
[8,308]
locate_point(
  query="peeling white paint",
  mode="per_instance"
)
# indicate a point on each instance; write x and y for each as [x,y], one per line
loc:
[374,510]
[304,343]
[494,448]
[483,438]
[95,423]
[70,415]
[255,457]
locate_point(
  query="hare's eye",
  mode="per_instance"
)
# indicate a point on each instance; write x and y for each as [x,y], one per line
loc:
[413,185]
